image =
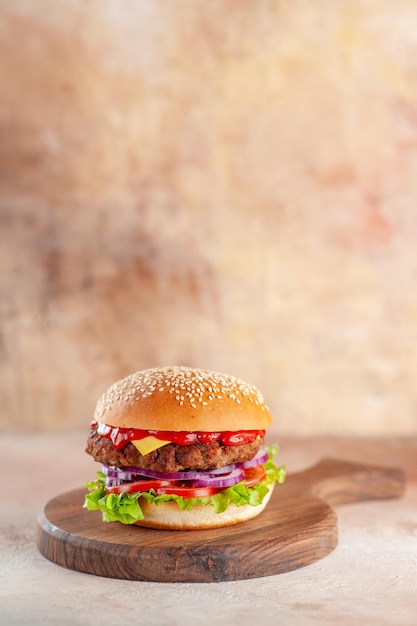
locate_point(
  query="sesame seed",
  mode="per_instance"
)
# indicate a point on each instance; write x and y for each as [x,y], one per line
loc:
[197,385]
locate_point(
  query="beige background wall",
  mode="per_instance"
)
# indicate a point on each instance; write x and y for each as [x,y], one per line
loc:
[227,184]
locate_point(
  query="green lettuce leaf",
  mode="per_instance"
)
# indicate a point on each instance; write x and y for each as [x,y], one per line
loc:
[125,507]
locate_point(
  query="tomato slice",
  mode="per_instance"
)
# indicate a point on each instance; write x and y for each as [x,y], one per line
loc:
[139,485]
[254,475]
[188,492]
[169,487]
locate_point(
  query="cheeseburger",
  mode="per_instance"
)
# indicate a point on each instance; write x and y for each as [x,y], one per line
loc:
[181,448]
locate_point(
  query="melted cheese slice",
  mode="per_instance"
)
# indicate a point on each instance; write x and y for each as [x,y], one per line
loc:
[149,444]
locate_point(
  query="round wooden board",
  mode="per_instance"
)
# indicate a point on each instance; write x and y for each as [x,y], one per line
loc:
[291,532]
[297,528]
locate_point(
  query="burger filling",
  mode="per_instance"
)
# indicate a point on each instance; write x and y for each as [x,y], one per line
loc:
[190,468]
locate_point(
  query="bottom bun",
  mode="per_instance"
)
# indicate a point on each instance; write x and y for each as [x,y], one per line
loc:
[168,516]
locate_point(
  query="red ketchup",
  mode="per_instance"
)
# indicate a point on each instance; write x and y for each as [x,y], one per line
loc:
[121,436]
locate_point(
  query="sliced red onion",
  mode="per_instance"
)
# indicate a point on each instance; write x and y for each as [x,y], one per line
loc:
[112,482]
[131,473]
[220,482]
[119,474]
[227,480]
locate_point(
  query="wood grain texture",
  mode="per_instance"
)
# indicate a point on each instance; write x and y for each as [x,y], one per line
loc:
[297,528]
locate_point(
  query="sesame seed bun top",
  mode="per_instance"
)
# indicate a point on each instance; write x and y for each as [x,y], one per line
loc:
[183,399]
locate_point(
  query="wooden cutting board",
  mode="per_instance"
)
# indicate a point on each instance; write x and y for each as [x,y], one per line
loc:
[298,527]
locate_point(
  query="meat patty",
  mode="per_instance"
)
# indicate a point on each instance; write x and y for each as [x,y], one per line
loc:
[171,457]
